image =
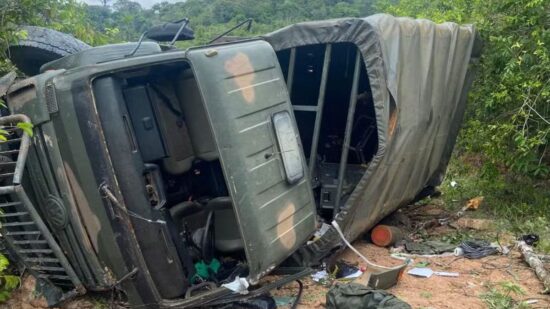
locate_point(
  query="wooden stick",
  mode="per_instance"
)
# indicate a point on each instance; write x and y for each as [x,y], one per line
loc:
[533,260]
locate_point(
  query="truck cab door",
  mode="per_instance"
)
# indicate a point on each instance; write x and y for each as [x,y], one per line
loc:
[250,115]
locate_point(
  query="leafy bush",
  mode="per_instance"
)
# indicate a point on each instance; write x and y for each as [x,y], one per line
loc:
[518,203]
[500,296]
[63,15]
[8,283]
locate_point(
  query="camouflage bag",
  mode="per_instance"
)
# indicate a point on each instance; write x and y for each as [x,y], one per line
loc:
[356,296]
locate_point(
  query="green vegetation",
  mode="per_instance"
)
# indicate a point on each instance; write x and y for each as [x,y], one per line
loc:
[518,202]
[208,18]
[63,15]
[8,283]
[508,119]
[501,296]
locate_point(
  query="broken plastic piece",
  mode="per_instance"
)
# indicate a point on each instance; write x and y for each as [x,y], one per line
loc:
[421,272]
[320,275]
[354,275]
[445,274]
[321,231]
[239,285]
[428,272]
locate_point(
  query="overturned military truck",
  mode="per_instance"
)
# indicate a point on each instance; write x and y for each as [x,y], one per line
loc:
[179,178]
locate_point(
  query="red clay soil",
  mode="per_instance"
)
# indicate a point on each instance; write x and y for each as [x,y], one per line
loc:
[475,277]
[439,292]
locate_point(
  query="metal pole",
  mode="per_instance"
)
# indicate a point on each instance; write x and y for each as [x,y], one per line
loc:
[347,136]
[290,74]
[319,115]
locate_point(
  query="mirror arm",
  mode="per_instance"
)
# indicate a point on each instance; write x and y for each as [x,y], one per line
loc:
[138,44]
[249,21]
[183,25]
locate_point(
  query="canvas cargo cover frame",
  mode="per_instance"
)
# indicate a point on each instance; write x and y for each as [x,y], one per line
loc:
[419,74]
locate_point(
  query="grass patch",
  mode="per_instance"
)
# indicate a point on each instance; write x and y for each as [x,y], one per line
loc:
[500,296]
[518,204]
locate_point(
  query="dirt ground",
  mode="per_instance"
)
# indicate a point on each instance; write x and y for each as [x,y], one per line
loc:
[476,277]
[439,292]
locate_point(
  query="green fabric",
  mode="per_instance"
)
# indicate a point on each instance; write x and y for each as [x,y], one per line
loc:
[426,85]
[429,247]
[203,270]
[357,296]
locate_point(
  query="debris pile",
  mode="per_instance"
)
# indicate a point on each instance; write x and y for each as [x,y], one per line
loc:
[443,257]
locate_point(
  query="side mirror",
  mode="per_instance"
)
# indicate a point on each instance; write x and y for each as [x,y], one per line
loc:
[171,31]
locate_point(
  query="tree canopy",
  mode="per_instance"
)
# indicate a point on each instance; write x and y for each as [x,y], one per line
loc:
[508,118]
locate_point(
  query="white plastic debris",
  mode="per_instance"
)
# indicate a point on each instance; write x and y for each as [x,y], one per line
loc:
[445,274]
[356,274]
[239,285]
[322,230]
[428,272]
[319,233]
[421,272]
[454,184]
[320,275]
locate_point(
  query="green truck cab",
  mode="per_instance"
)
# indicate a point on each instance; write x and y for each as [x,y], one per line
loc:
[137,154]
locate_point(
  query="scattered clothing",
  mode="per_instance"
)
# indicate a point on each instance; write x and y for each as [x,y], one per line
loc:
[346,270]
[476,249]
[530,239]
[204,271]
[429,247]
[259,302]
[353,295]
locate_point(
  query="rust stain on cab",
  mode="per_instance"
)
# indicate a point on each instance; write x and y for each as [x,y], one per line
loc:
[285,227]
[242,71]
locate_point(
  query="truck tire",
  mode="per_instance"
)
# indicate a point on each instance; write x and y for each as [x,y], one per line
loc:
[40,46]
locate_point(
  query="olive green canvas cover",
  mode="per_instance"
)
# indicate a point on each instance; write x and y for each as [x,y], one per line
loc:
[419,76]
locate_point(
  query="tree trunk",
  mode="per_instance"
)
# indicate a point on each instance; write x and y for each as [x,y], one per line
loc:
[532,259]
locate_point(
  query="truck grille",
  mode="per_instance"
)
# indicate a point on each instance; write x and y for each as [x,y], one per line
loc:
[51,99]
[26,237]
